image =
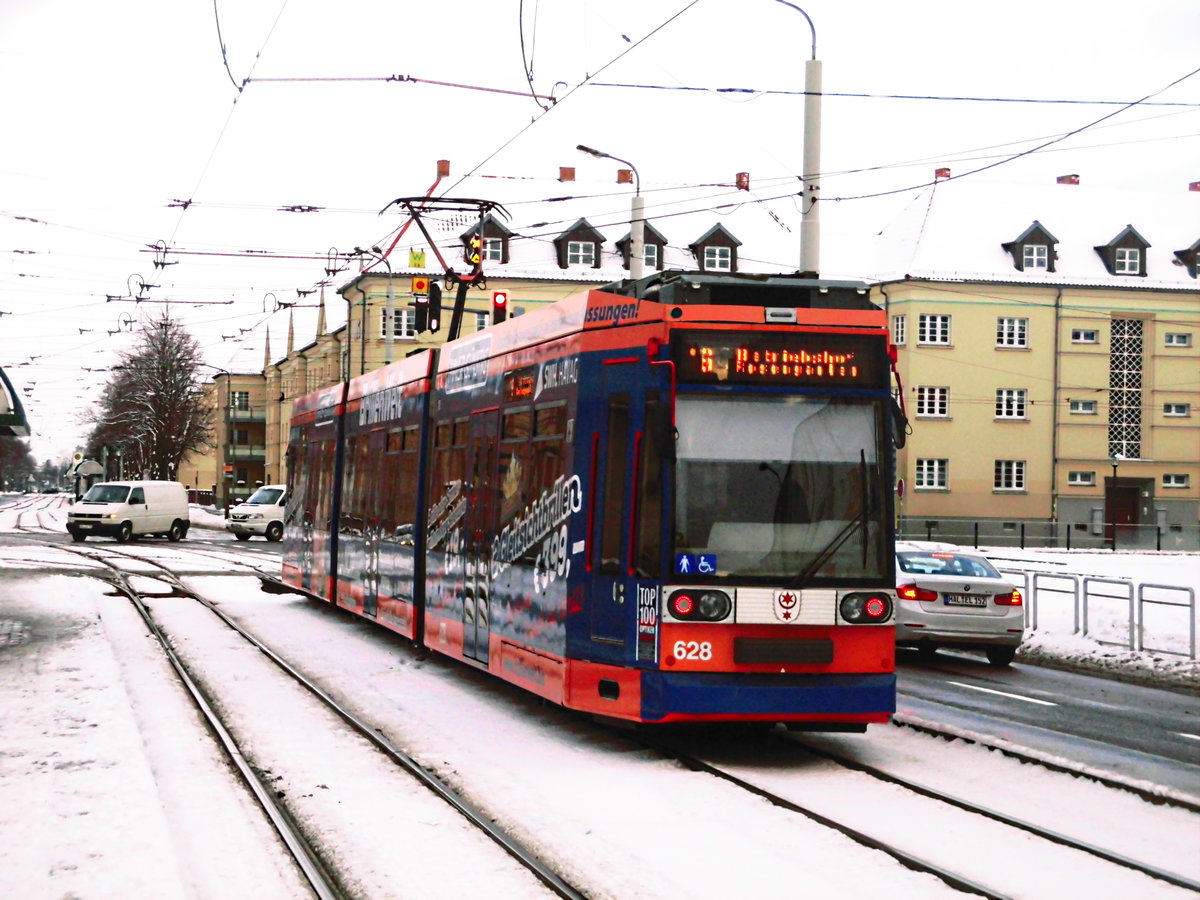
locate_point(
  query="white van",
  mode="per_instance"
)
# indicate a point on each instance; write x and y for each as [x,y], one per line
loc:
[129,509]
[262,514]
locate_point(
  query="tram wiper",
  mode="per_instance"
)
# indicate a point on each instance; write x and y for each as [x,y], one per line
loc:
[801,580]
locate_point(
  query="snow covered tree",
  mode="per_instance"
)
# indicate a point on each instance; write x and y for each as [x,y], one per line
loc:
[153,410]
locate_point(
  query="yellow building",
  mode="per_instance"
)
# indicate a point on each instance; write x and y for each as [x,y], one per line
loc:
[1047,343]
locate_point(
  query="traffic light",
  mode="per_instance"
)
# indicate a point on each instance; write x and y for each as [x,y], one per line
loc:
[434,320]
[422,315]
[499,306]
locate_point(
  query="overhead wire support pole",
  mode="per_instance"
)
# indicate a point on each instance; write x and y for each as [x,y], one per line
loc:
[637,217]
[810,170]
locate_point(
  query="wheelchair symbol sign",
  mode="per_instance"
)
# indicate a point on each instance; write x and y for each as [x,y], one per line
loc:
[706,564]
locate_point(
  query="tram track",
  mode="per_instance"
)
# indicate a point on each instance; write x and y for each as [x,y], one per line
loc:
[876,838]
[323,880]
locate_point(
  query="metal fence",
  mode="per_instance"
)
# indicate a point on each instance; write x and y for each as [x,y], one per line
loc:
[1115,611]
[1036,533]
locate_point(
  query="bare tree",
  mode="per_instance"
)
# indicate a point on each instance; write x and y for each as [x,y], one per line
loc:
[16,463]
[153,408]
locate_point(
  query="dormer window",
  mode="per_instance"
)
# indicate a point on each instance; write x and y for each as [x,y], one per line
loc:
[1125,254]
[581,253]
[1190,259]
[1037,256]
[718,259]
[494,246]
[716,251]
[653,242]
[1033,250]
[579,245]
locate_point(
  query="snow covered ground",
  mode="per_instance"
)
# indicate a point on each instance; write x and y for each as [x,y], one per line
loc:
[92,741]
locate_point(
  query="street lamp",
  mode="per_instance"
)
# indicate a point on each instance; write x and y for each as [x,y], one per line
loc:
[1112,497]
[810,216]
[637,218]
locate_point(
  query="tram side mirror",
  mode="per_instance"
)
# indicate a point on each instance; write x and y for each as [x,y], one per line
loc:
[899,425]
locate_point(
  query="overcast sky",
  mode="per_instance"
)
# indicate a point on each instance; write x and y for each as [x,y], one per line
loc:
[116,113]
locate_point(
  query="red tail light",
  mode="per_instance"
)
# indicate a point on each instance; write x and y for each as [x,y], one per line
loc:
[912,592]
[1013,599]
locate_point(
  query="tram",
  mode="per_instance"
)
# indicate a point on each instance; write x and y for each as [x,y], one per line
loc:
[13,422]
[662,501]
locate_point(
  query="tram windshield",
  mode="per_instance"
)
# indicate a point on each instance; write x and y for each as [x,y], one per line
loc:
[789,488]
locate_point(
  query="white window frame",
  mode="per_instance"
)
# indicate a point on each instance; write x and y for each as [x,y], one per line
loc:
[1085,336]
[493,249]
[1012,331]
[1081,479]
[1176,480]
[650,256]
[1177,410]
[1012,403]
[933,402]
[1008,476]
[1035,256]
[933,329]
[581,253]
[1177,339]
[1083,407]
[482,320]
[406,323]
[930,474]
[240,400]
[899,330]
[1127,261]
[718,259]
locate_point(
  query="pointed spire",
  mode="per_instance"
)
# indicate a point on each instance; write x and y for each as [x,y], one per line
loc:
[267,351]
[291,344]
[321,314]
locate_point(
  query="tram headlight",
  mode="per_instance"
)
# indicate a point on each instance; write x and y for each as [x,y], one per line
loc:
[866,607]
[706,605]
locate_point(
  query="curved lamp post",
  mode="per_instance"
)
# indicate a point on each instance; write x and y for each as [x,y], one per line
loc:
[810,221]
[637,217]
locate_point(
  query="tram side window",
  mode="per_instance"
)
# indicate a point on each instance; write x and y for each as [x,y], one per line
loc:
[615,474]
[352,513]
[388,497]
[516,464]
[322,457]
[406,484]
[647,555]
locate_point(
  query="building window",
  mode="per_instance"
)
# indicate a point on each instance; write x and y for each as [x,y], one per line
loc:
[581,253]
[1176,480]
[1081,479]
[1083,407]
[1011,402]
[933,401]
[241,436]
[1009,475]
[899,331]
[406,323]
[931,474]
[1085,336]
[651,256]
[481,320]
[1125,389]
[1177,409]
[1128,261]
[1178,339]
[493,249]
[1012,332]
[718,259]
[933,329]
[1036,256]
[240,400]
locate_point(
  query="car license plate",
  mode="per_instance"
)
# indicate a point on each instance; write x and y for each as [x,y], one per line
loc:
[964,600]
[84,526]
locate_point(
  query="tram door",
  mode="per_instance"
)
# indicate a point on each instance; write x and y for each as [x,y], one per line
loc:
[480,528]
[614,591]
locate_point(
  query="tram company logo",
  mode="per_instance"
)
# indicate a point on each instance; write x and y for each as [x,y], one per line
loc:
[787,606]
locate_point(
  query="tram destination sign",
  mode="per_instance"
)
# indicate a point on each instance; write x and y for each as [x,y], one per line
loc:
[798,359]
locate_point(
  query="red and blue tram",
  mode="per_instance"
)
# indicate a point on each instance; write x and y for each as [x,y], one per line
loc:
[661,501]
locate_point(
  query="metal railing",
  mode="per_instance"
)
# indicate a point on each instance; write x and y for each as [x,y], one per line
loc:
[1034,533]
[1091,598]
